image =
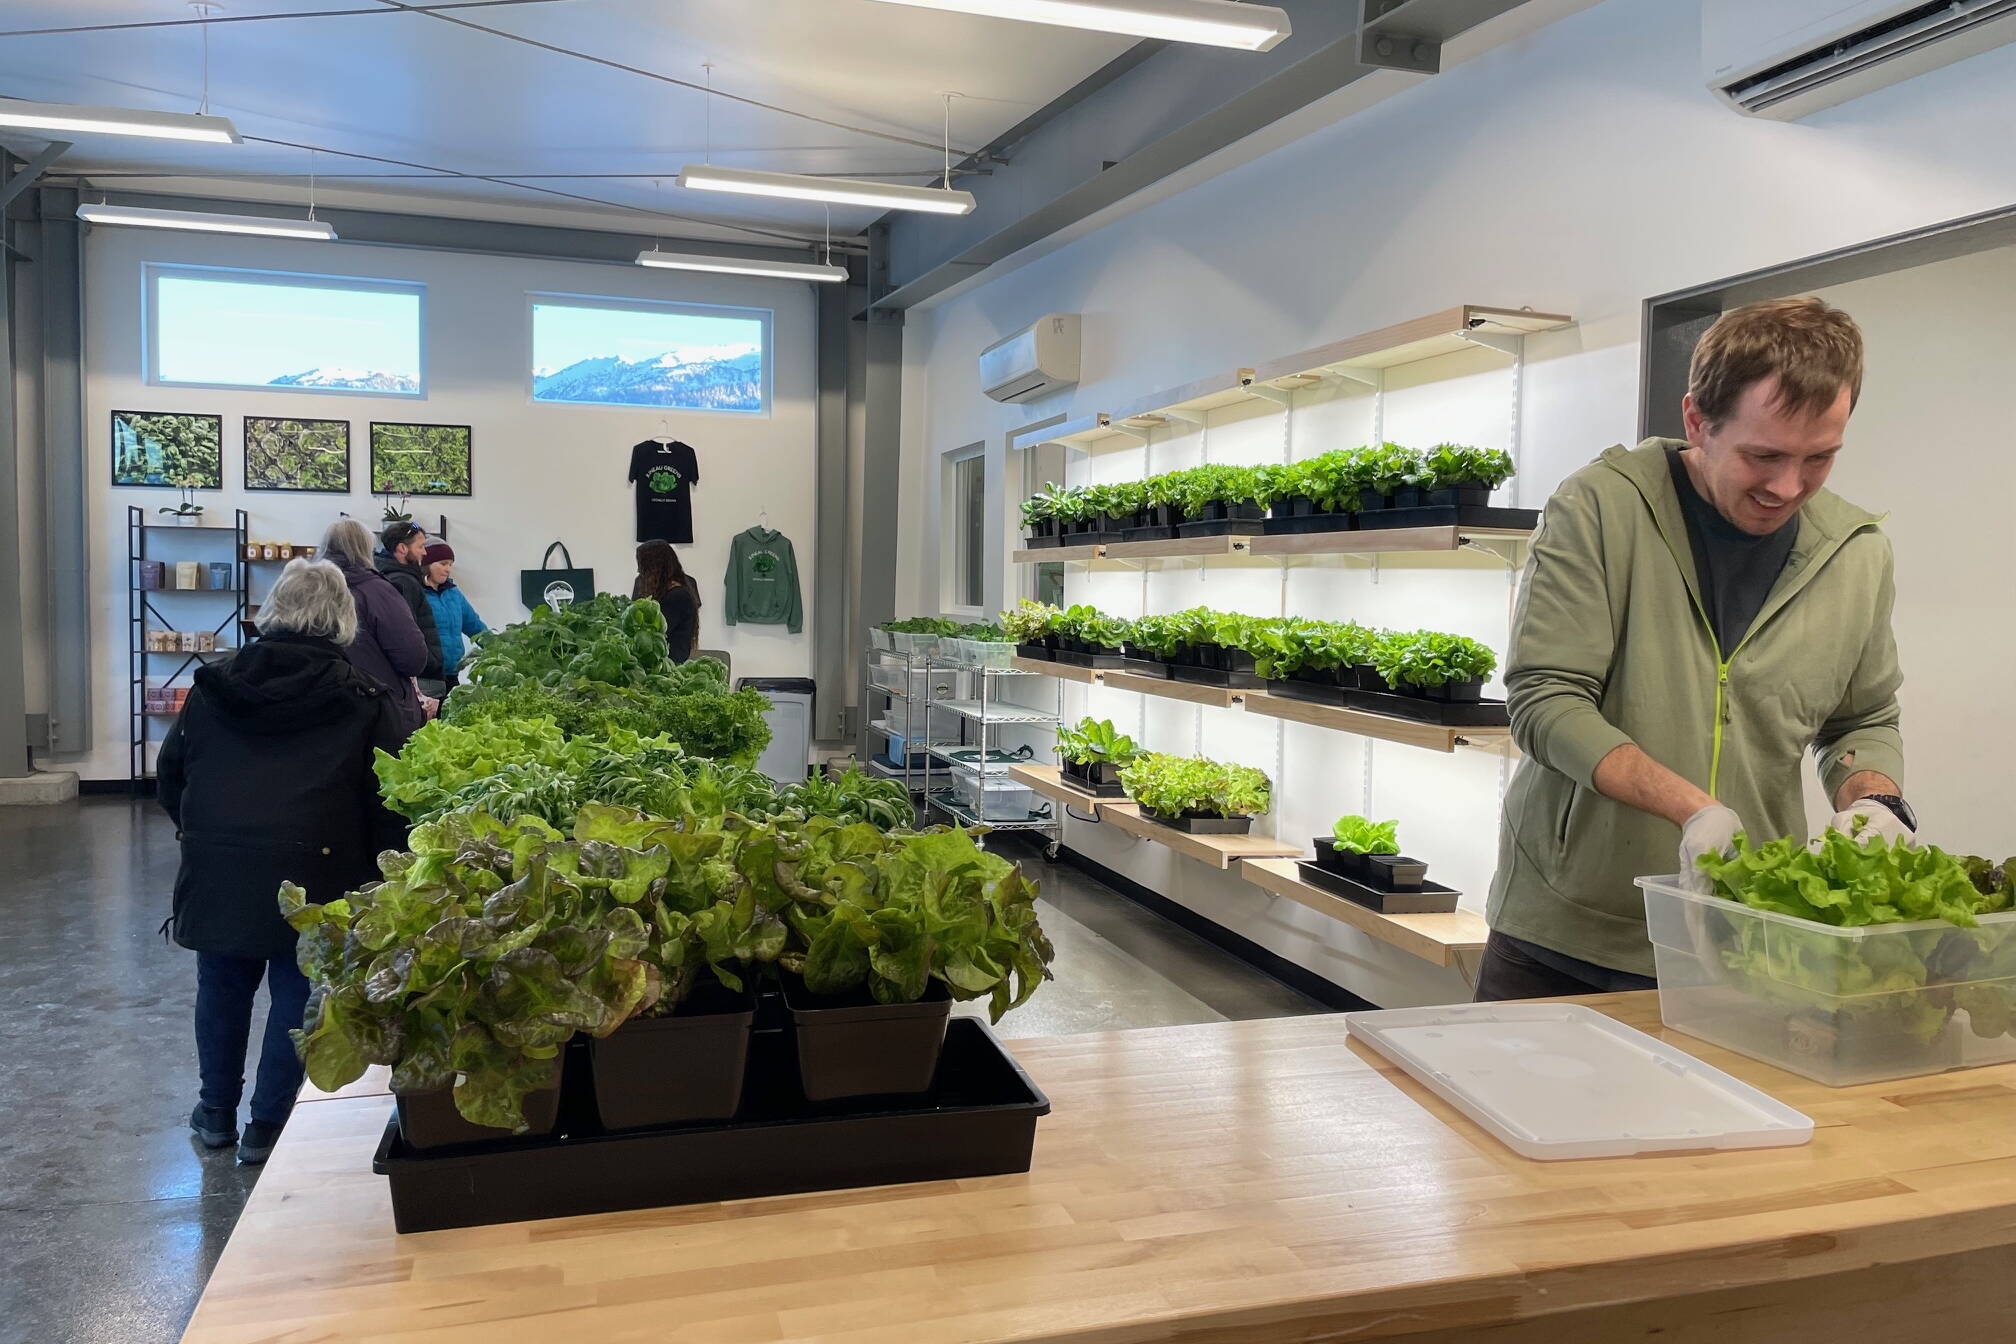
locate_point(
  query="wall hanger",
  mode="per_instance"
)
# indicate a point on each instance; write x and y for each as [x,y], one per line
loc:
[664,439]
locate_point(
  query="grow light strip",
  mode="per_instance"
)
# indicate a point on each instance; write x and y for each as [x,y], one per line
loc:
[195,221]
[1214,23]
[836,190]
[779,270]
[72,118]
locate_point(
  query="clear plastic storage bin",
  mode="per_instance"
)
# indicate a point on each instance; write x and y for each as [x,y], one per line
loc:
[918,682]
[977,653]
[1839,1005]
[913,646]
[995,797]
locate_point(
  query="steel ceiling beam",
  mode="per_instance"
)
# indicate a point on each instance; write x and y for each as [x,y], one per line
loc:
[1151,114]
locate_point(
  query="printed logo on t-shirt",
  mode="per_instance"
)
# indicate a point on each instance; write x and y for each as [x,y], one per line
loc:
[663,480]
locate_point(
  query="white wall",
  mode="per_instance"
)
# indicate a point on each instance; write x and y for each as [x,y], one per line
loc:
[541,471]
[1579,171]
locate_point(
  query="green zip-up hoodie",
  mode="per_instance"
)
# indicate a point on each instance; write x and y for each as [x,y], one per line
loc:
[1610,646]
[762,580]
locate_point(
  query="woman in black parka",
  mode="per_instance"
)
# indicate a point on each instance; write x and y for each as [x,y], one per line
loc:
[267,773]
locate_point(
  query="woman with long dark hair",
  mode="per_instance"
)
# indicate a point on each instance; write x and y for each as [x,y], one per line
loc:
[661,576]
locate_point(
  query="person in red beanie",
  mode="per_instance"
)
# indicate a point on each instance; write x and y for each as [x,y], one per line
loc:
[454,618]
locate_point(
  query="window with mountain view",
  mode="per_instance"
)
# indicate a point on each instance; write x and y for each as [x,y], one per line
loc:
[309,333]
[681,358]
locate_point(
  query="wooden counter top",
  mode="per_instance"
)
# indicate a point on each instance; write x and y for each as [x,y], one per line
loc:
[1233,1181]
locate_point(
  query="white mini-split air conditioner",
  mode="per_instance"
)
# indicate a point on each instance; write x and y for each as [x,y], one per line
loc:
[1786,58]
[1036,361]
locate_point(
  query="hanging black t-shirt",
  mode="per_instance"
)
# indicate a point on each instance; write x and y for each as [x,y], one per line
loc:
[665,474]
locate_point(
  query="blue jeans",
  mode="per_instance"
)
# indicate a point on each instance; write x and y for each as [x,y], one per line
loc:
[225,988]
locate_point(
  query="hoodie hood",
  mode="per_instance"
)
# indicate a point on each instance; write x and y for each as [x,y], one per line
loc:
[284,683]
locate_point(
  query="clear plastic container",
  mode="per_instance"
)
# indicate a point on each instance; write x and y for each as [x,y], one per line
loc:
[985,653]
[995,797]
[1838,1005]
[917,682]
[878,638]
[913,646]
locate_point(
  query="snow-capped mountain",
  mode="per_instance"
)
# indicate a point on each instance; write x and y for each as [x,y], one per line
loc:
[349,380]
[704,378]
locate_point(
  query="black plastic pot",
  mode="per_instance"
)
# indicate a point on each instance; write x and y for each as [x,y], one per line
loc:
[1099,779]
[1370,501]
[1334,860]
[1395,872]
[1203,823]
[1235,660]
[855,1047]
[429,1120]
[1365,677]
[1037,540]
[1302,524]
[1469,495]
[1313,692]
[1456,692]
[1040,652]
[1408,497]
[677,1069]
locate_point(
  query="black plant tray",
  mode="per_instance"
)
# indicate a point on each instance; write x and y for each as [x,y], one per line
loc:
[1314,692]
[1141,667]
[1223,527]
[1112,661]
[1449,516]
[1450,714]
[1312,522]
[1100,538]
[1032,543]
[1040,652]
[1077,785]
[1212,676]
[1153,532]
[978,1119]
[1203,825]
[1432,898]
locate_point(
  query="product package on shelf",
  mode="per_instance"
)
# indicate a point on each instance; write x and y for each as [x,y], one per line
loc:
[188,574]
[220,575]
[150,575]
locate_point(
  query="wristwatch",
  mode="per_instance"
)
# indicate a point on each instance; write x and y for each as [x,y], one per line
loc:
[1897,805]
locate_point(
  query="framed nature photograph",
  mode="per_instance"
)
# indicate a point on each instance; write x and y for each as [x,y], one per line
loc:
[421,459]
[166,448]
[297,455]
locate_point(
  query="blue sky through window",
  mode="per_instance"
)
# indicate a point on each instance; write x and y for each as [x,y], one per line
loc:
[265,333]
[647,357]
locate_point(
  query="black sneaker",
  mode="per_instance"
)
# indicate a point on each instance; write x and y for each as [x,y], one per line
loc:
[257,1145]
[213,1127]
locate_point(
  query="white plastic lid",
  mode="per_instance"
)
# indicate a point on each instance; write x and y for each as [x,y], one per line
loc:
[1561,1080]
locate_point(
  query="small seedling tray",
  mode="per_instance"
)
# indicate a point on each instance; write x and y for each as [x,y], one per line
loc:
[978,1119]
[1141,667]
[1031,543]
[1041,653]
[1431,898]
[1223,527]
[1204,825]
[1108,661]
[1211,676]
[1305,524]
[1152,532]
[1447,713]
[1448,516]
[1077,785]
[1315,692]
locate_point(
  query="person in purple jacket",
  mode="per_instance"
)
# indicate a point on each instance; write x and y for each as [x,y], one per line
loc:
[389,647]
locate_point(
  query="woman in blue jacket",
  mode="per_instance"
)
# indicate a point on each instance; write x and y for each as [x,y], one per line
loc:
[454,618]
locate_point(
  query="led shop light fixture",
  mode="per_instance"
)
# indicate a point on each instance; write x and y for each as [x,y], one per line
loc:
[135,216]
[780,270]
[832,190]
[73,119]
[1215,23]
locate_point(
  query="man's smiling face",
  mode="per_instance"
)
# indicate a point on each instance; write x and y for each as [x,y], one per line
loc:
[1761,463]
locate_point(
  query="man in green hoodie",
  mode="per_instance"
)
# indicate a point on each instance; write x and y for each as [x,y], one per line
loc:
[1696,617]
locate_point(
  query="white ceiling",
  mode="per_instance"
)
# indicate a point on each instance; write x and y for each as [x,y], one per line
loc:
[418,88]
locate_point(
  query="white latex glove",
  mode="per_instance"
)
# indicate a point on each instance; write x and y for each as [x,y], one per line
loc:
[1866,817]
[1712,830]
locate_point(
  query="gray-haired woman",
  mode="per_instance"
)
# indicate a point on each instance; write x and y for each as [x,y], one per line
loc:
[267,773]
[389,646]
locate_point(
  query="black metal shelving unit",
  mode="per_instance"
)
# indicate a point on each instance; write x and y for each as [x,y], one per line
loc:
[142,615]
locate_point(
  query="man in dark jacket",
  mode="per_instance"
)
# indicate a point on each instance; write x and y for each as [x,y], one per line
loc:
[268,776]
[399,554]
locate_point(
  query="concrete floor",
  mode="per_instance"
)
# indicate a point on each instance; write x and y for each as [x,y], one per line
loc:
[111,1215]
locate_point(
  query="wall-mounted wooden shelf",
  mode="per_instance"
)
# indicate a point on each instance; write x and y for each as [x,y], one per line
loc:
[1213,697]
[1219,851]
[1439,939]
[1397,540]
[1047,780]
[1384,727]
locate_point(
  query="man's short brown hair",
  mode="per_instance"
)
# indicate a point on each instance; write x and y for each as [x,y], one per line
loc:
[1814,349]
